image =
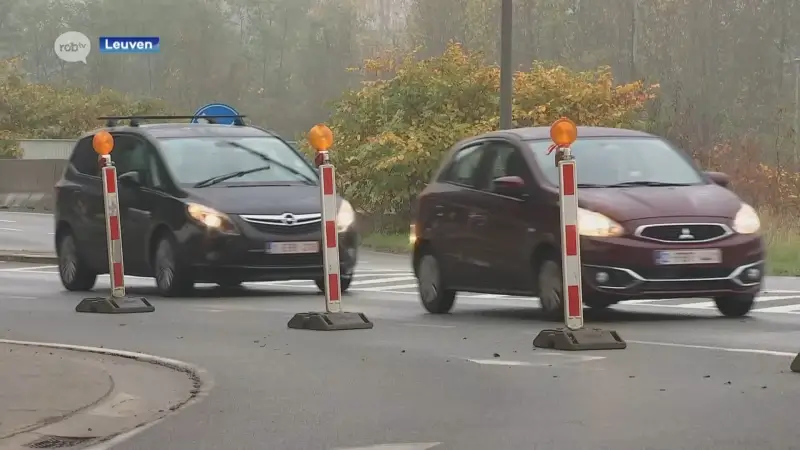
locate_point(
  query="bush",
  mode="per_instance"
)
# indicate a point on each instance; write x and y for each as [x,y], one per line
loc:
[390,135]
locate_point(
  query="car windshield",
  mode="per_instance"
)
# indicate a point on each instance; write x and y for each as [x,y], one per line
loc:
[197,159]
[622,162]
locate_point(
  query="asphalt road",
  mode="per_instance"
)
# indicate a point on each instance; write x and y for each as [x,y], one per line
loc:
[690,379]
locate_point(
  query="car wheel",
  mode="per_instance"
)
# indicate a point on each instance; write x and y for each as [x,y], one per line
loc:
[435,297]
[172,277]
[735,305]
[345,284]
[551,289]
[74,273]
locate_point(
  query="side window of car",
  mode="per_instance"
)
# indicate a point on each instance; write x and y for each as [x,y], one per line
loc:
[84,158]
[463,169]
[507,161]
[132,154]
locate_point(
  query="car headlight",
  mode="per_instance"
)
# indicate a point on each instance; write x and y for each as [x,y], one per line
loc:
[345,217]
[594,224]
[746,220]
[211,218]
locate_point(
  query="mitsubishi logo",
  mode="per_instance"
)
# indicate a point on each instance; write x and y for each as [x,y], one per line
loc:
[288,219]
[686,234]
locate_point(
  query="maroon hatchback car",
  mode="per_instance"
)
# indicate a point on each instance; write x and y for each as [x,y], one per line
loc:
[652,225]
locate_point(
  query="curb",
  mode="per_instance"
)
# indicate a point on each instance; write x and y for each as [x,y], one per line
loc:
[28,258]
[201,378]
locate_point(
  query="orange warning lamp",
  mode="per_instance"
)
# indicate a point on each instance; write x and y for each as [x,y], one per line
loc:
[103,143]
[563,132]
[320,137]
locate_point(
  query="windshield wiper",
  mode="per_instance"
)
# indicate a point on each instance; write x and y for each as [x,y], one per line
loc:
[220,178]
[269,160]
[646,183]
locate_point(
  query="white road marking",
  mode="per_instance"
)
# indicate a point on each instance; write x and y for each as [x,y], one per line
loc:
[500,362]
[35,269]
[720,349]
[425,325]
[10,229]
[358,282]
[409,446]
[786,309]
[7,221]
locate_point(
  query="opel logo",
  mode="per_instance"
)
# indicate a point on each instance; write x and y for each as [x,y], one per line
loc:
[288,219]
[686,234]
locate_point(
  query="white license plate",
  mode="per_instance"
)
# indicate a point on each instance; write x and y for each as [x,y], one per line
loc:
[282,248]
[681,257]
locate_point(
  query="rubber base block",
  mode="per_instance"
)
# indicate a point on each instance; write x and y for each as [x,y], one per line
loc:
[330,321]
[111,305]
[582,339]
[795,366]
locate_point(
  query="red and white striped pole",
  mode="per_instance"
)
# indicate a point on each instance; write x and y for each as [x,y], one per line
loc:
[116,269]
[563,133]
[571,246]
[323,139]
[574,337]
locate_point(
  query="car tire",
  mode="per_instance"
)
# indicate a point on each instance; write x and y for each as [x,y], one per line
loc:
[75,274]
[173,278]
[433,293]
[345,284]
[551,288]
[735,305]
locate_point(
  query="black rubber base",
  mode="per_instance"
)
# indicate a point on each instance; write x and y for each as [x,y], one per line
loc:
[582,339]
[795,366]
[330,321]
[111,305]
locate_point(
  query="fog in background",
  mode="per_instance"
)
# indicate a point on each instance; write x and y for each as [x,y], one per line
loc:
[726,68]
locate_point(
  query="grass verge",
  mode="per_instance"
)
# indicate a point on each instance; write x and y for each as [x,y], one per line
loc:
[781,235]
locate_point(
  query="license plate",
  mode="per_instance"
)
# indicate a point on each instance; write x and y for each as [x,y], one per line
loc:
[282,248]
[681,257]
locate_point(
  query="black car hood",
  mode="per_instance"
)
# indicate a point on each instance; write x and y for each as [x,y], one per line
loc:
[243,199]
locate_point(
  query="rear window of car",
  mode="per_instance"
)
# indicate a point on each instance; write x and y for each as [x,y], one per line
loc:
[194,159]
[610,161]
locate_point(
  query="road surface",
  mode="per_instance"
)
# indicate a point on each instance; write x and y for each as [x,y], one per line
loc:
[690,379]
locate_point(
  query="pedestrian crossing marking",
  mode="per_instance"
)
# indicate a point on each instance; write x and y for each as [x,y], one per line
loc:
[401,284]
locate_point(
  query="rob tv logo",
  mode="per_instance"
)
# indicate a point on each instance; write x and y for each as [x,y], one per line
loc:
[130,44]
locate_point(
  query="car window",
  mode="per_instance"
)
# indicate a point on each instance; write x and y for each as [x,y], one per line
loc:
[463,169]
[507,161]
[132,154]
[85,159]
[609,161]
[195,159]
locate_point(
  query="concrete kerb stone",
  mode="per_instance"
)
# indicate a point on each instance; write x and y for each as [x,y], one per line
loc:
[28,257]
[201,380]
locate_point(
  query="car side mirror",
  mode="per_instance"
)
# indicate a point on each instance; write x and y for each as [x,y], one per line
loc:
[512,186]
[132,178]
[719,178]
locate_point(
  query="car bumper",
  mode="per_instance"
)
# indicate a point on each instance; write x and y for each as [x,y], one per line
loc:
[623,270]
[244,256]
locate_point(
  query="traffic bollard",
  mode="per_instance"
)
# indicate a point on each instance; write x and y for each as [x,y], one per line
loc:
[574,336]
[118,302]
[321,138]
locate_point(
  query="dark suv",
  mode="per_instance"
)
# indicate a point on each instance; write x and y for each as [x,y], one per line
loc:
[199,203]
[652,225]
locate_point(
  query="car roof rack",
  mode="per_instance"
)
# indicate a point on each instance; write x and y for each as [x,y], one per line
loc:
[135,121]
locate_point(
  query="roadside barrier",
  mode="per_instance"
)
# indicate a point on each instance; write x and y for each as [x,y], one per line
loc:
[321,138]
[574,337]
[27,185]
[795,366]
[118,303]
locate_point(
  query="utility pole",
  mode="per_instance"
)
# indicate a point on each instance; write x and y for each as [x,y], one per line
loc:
[796,108]
[506,66]
[634,39]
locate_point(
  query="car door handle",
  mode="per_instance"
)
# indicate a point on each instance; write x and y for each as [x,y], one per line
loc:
[439,210]
[477,219]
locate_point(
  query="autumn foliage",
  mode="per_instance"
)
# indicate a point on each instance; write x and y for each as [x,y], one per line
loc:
[44,111]
[390,134]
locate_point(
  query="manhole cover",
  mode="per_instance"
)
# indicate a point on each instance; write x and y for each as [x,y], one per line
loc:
[58,442]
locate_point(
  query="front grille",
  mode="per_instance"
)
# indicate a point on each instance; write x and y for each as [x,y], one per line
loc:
[684,233]
[303,228]
[682,273]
